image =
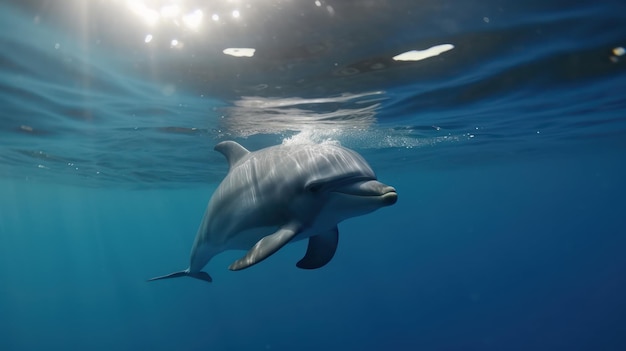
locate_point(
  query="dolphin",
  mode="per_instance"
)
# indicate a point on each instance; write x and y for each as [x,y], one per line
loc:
[282,194]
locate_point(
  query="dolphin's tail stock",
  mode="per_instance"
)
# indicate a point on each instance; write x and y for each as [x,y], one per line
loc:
[186,273]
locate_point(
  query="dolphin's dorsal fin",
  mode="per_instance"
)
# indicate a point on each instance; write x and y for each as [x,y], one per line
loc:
[232,151]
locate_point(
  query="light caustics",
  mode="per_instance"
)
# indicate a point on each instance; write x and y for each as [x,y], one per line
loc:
[263,115]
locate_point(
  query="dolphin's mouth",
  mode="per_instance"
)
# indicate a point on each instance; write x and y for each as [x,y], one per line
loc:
[390,197]
[370,187]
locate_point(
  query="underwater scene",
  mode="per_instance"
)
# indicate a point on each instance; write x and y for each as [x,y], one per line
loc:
[316,175]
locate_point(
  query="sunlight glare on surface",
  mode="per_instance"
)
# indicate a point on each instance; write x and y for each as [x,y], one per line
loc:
[176,44]
[239,52]
[418,55]
[148,15]
[170,11]
[193,20]
[175,17]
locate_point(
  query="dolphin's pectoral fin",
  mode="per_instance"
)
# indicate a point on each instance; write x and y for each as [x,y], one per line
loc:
[186,273]
[265,247]
[321,250]
[232,151]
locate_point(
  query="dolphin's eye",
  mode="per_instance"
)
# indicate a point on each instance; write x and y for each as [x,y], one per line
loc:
[314,187]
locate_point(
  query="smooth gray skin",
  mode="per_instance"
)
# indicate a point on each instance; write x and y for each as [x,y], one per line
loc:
[281,194]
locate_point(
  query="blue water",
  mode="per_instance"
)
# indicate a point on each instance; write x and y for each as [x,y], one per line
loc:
[508,153]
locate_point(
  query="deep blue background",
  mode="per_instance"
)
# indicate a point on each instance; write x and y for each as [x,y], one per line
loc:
[515,256]
[508,153]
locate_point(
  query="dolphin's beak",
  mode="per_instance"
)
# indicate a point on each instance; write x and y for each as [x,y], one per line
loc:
[370,188]
[391,196]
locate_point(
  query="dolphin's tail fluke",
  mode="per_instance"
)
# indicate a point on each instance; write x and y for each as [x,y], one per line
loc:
[186,273]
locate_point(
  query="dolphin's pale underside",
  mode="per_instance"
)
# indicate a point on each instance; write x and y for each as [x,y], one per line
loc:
[281,194]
